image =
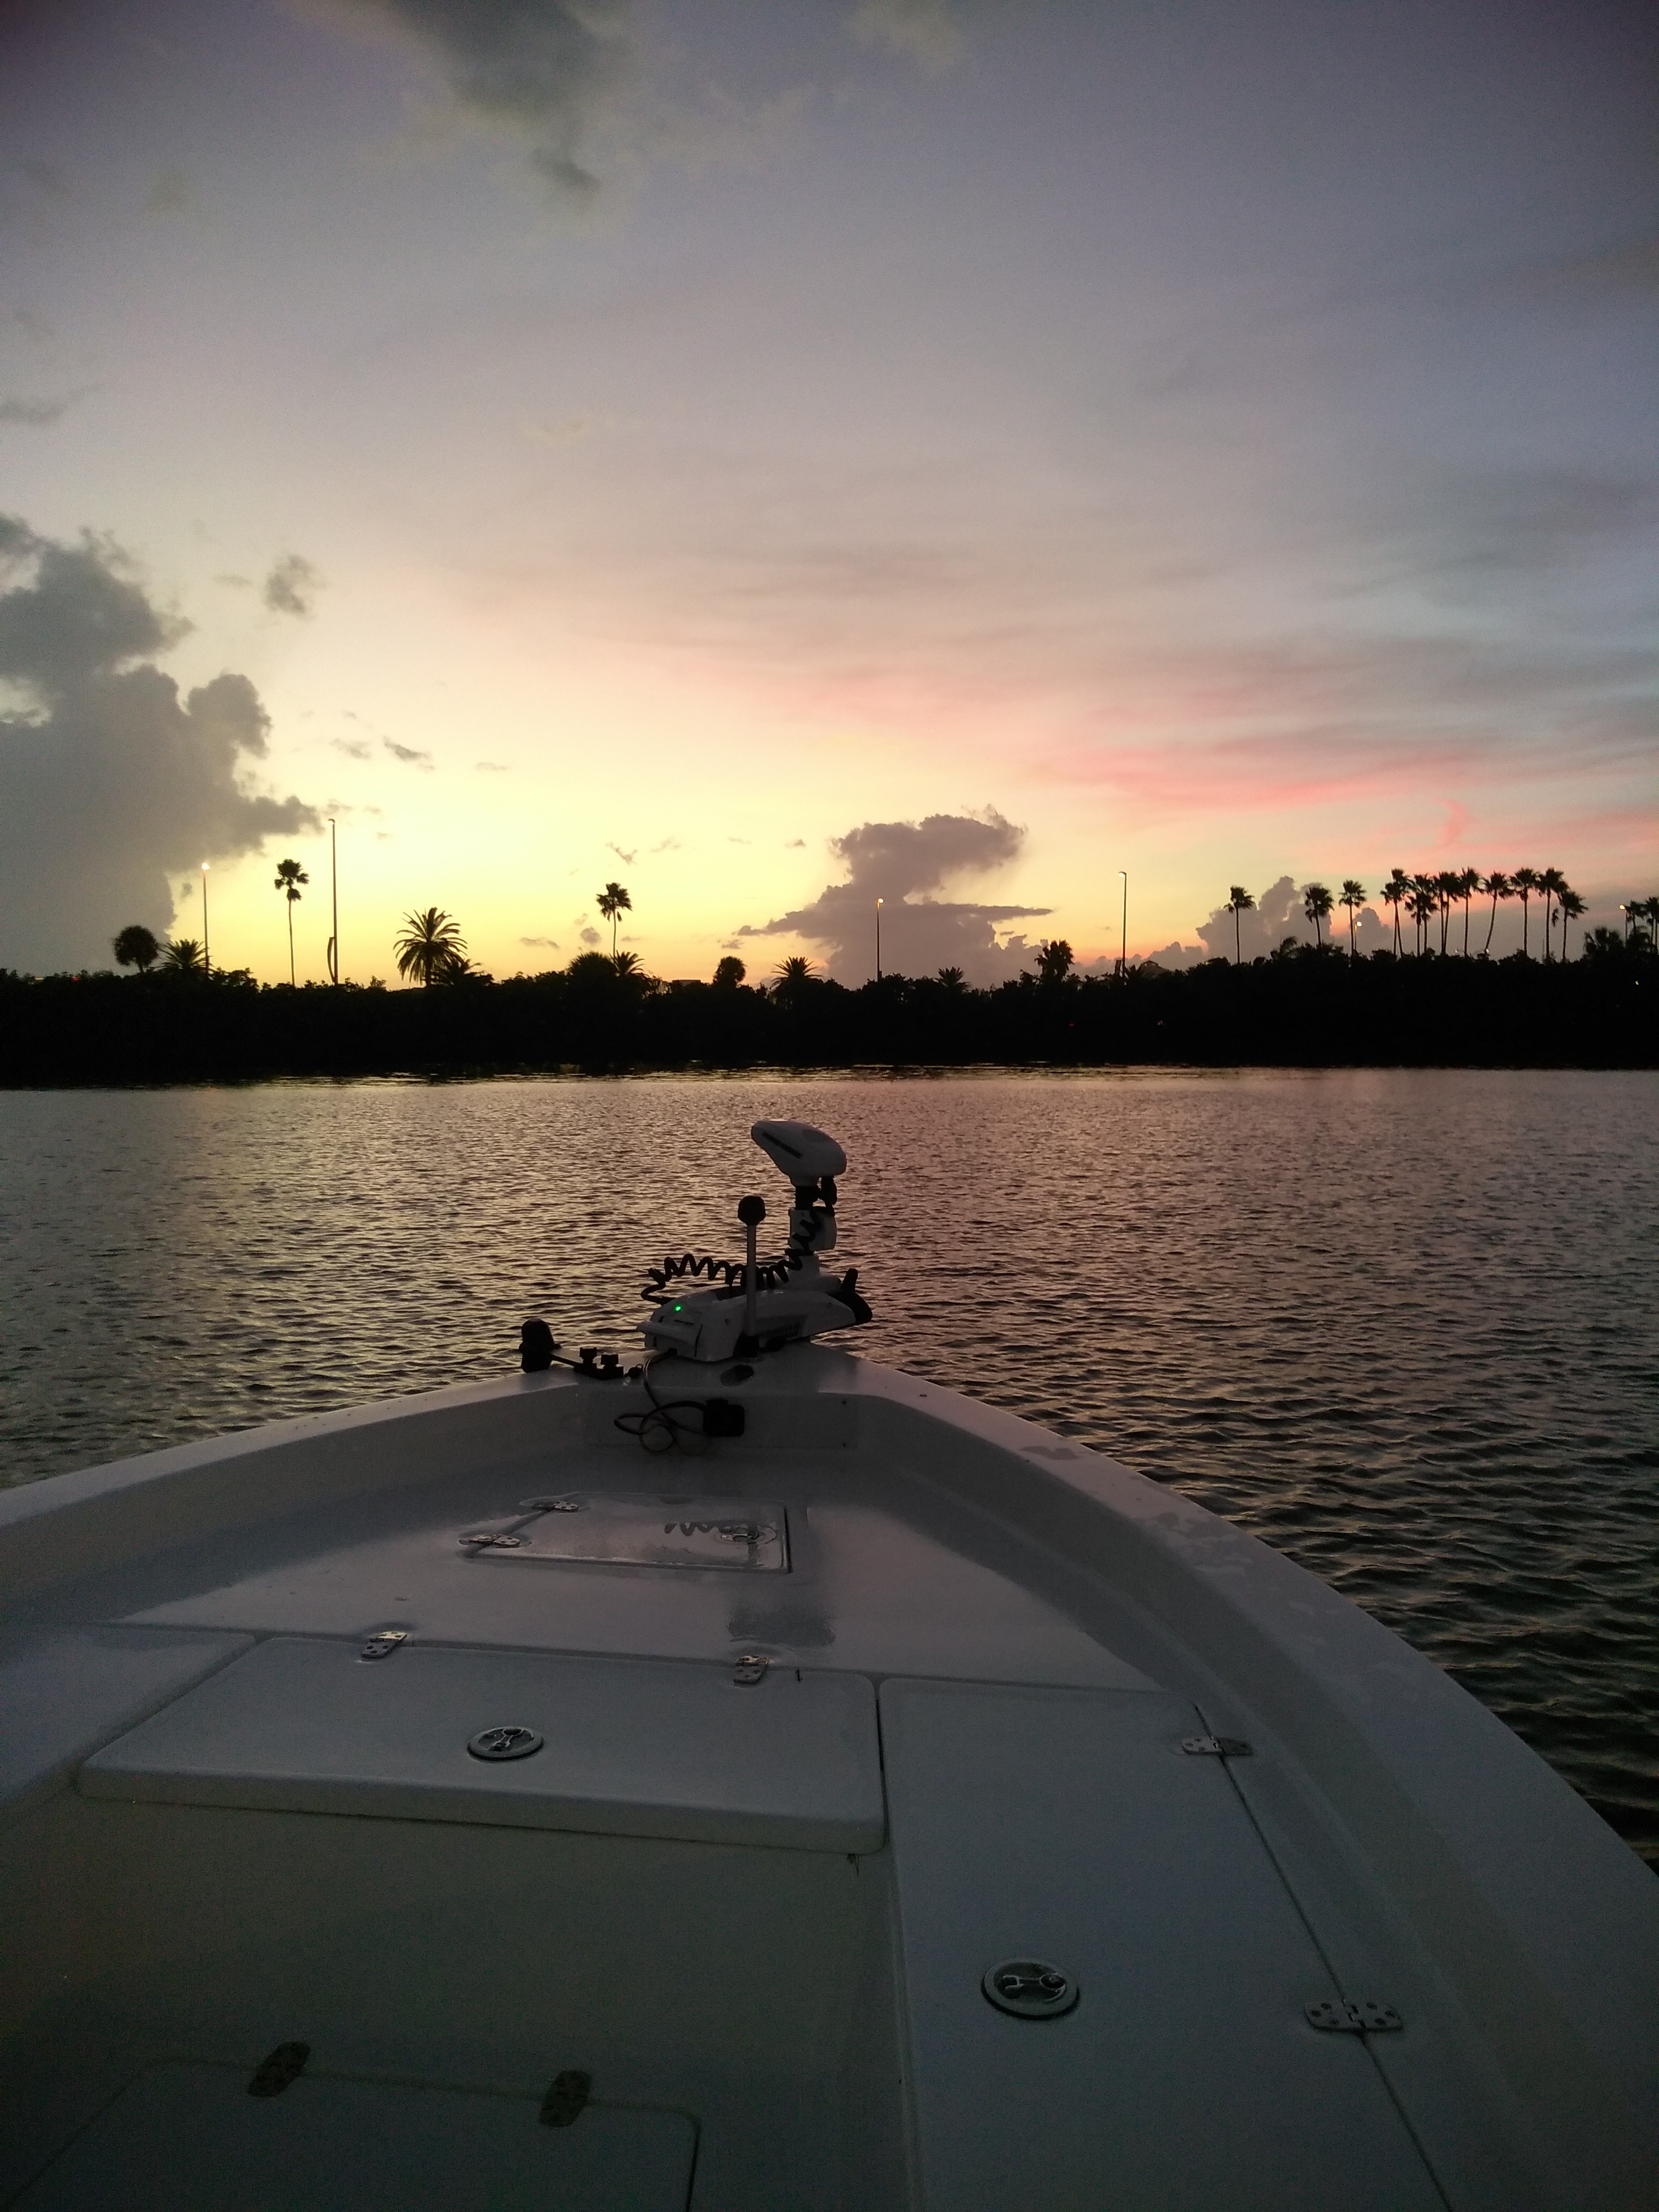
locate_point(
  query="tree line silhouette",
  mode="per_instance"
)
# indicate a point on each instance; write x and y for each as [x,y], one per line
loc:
[1303,1003]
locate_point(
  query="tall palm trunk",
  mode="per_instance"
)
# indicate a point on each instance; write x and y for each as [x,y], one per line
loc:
[290,944]
[1492,925]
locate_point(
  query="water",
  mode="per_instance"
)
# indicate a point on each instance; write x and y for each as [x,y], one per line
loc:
[1403,1325]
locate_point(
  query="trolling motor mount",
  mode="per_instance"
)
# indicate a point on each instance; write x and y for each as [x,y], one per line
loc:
[761,1304]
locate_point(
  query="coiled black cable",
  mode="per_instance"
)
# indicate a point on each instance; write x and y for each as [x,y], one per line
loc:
[768,1274]
[663,1424]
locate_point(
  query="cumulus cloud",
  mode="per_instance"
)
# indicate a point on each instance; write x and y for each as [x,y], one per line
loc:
[291,586]
[548,70]
[410,755]
[591,936]
[923,29]
[900,863]
[110,782]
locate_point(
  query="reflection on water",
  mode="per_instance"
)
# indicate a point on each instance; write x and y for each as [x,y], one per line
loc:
[1401,1325]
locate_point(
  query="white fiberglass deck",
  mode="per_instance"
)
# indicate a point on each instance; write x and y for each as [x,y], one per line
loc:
[753,1905]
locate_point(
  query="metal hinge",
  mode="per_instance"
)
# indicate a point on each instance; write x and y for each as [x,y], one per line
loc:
[384,1642]
[749,1669]
[1216,1746]
[1366,2017]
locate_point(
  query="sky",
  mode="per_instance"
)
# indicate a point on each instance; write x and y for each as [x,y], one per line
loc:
[965,453]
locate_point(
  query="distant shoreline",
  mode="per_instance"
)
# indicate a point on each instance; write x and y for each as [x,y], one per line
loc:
[1302,1010]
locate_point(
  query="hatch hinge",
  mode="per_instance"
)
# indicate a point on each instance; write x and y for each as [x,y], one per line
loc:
[1365,2017]
[384,1642]
[749,1669]
[1216,1746]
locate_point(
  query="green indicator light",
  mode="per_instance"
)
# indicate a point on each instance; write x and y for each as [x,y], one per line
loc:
[679,1309]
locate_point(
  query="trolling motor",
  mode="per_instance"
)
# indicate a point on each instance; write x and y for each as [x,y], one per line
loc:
[755,1304]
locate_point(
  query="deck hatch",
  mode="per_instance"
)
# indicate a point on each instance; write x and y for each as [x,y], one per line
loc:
[734,1535]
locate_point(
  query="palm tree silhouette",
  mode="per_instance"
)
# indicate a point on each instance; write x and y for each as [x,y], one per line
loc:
[184,956]
[1551,883]
[1469,883]
[1238,901]
[1392,894]
[951,978]
[614,901]
[135,947]
[289,877]
[1421,902]
[1316,904]
[627,963]
[1495,886]
[1447,886]
[1526,882]
[1354,896]
[1572,909]
[429,946]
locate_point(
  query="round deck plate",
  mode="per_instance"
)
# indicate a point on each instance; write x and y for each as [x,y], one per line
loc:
[1030,1988]
[504,1743]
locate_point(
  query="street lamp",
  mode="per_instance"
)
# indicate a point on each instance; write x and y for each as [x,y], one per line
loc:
[877,940]
[207,957]
[334,875]
[1123,953]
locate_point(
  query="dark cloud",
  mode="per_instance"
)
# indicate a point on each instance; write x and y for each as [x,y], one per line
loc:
[110,783]
[411,756]
[291,586]
[547,68]
[353,748]
[550,943]
[591,936]
[893,861]
[36,414]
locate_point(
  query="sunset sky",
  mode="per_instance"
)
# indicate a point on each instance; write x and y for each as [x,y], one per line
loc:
[780,455]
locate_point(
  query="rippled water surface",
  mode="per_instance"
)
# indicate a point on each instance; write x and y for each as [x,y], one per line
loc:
[1403,1326]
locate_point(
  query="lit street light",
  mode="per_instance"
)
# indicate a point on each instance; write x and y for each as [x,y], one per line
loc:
[334,875]
[877,940]
[207,957]
[1123,954]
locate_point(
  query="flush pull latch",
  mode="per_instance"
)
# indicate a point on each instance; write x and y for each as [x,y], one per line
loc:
[1216,1746]
[1366,2017]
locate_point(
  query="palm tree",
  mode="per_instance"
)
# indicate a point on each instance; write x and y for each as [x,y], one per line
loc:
[1470,886]
[1354,896]
[1526,881]
[135,947]
[1316,904]
[1421,902]
[627,963]
[1238,901]
[729,972]
[289,877]
[1496,886]
[952,979]
[1572,909]
[429,943]
[1055,957]
[184,956]
[1392,894]
[1447,886]
[613,901]
[794,977]
[1551,883]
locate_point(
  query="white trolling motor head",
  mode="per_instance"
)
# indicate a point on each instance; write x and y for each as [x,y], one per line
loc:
[754,1304]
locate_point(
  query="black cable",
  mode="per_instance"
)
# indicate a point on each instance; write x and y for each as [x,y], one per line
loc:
[662,1422]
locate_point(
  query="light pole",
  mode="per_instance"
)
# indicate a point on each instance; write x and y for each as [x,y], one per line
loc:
[207,957]
[334,877]
[1123,953]
[877,940]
